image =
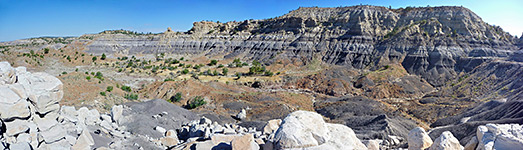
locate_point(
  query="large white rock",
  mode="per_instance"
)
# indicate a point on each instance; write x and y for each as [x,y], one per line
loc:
[499,136]
[245,142]
[446,141]
[84,142]
[301,129]
[54,134]
[7,73]
[307,130]
[45,123]
[16,127]
[69,113]
[418,139]
[46,92]
[17,110]
[271,126]
[116,113]
[342,137]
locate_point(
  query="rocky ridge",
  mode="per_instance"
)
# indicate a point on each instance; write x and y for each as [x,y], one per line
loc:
[430,41]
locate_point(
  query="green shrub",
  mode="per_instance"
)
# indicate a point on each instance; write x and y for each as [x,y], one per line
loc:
[64,72]
[225,71]
[109,88]
[213,62]
[176,98]
[94,58]
[168,79]
[220,66]
[131,96]
[197,101]
[126,88]
[103,56]
[185,71]
[102,93]
[88,77]
[46,50]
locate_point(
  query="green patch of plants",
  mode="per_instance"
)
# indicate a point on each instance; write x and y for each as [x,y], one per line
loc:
[185,71]
[109,88]
[197,102]
[176,97]
[213,62]
[168,79]
[126,88]
[102,93]
[131,96]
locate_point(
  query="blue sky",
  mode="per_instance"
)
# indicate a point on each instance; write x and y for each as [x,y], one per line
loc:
[24,19]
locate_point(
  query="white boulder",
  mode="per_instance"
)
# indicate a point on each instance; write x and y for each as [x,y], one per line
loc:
[418,139]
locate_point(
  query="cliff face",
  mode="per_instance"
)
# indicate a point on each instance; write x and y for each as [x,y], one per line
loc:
[429,42]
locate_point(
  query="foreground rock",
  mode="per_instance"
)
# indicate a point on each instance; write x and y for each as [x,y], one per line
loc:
[307,130]
[499,136]
[446,141]
[418,139]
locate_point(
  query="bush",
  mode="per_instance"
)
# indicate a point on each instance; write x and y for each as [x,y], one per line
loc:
[176,98]
[46,50]
[131,96]
[213,62]
[94,58]
[168,79]
[103,56]
[126,88]
[220,66]
[64,72]
[197,101]
[225,71]
[185,71]
[88,77]
[102,93]
[109,89]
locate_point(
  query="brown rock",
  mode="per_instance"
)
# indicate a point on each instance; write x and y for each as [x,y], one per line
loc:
[245,142]
[169,141]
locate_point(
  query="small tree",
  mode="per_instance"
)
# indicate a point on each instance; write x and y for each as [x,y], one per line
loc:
[213,62]
[103,56]
[197,101]
[109,89]
[185,71]
[46,50]
[176,98]
[102,93]
[94,58]
[225,71]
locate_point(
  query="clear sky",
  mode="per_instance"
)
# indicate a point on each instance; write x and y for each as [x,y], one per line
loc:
[24,19]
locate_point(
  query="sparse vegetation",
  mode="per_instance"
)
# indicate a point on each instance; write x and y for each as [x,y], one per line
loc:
[176,98]
[109,88]
[126,88]
[102,93]
[131,96]
[103,57]
[197,102]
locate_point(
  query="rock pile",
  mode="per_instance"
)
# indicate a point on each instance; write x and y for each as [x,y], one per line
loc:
[488,137]
[300,129]
[33,119]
